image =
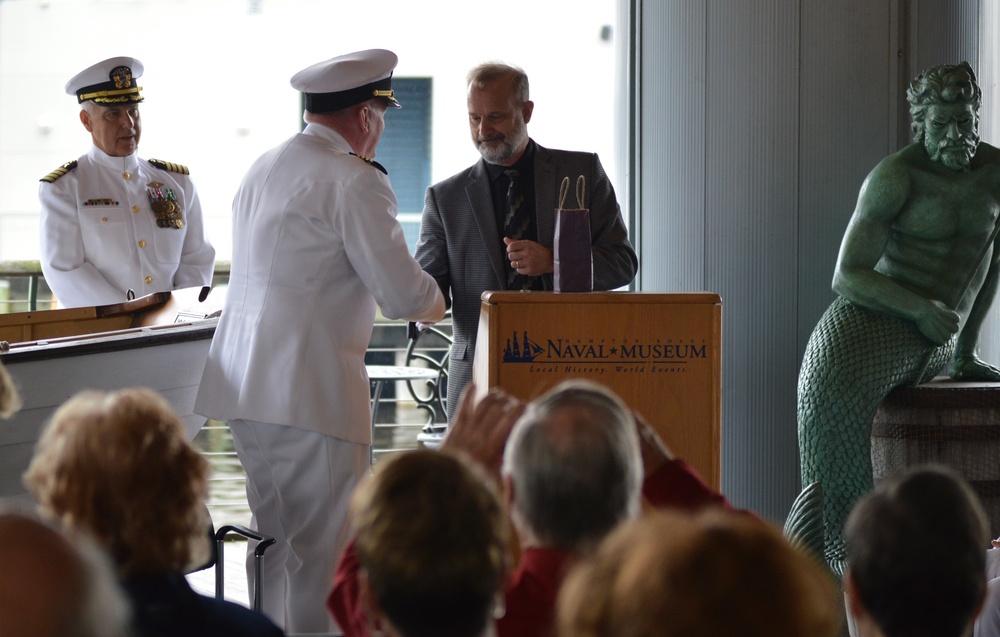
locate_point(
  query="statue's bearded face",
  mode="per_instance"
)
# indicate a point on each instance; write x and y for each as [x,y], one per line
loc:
[951,134]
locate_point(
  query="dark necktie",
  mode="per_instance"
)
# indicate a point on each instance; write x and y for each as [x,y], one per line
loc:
[515,226]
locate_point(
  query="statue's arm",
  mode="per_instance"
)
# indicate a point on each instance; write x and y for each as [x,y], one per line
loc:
[966,364]
[882,197]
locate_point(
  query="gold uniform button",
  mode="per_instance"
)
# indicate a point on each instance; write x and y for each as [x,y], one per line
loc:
[104,219]
[149,280]
[142,244]
[127,176]
[135,208]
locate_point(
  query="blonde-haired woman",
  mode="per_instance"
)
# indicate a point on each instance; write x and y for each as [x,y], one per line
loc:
[117,467]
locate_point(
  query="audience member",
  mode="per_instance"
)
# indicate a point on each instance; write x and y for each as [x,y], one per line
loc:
[916,556]
[572,469]
[118,468]
[430,544]
[52,588]
[672,574]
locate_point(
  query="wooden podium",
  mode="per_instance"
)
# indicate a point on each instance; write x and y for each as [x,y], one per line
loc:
[660,352]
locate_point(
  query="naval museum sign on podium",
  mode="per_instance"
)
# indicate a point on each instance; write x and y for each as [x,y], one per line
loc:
[660,352]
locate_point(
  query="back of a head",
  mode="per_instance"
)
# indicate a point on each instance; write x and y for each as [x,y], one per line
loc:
[669,574]
[117,466]
[916,550]
[431,540]
[51,588]
[574,461]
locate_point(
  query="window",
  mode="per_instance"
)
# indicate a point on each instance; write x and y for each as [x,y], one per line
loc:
[405,150]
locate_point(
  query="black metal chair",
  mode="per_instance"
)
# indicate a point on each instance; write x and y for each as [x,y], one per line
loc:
[430,348]
[263,541]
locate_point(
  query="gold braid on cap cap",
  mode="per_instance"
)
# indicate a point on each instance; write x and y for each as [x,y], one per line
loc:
[112,96]
[388,94]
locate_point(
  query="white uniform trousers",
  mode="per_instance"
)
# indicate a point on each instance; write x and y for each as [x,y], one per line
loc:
[299,485]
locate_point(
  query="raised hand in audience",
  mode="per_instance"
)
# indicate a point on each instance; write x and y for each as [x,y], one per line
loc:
[480,430]
[655,452]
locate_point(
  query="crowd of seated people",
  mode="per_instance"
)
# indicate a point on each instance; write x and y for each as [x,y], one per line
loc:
[566,516]
[50,585]
[572,465]
[117,468]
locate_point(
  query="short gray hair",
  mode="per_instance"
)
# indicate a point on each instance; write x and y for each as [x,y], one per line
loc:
[489,72]
[575,463]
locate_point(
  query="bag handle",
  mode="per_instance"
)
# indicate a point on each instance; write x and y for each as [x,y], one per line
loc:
[581,187]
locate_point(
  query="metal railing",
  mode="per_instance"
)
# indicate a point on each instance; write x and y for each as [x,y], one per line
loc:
[23,288]
[26,273]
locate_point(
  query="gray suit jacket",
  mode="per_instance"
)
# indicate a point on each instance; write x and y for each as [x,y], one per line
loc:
[461,247]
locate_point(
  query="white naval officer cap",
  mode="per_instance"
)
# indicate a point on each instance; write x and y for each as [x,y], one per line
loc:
[347,80]
[112,81]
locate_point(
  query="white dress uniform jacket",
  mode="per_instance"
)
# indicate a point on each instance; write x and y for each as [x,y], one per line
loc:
[100,239]
[316,245]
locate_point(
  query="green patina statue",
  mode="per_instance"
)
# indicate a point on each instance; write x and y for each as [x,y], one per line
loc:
[916,275]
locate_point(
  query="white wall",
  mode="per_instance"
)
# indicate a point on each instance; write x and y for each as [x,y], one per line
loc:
[216,80]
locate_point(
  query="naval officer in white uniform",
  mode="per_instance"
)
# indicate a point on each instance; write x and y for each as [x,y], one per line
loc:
[112,222]
[316,248]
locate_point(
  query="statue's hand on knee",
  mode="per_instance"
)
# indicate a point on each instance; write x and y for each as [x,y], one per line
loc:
[971,368]
[937,321]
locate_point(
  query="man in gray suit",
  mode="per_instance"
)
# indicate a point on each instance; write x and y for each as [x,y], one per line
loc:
[472,241]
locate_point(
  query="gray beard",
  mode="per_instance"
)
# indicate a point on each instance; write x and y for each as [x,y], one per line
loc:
[496,154]
[956,157]
[505,151]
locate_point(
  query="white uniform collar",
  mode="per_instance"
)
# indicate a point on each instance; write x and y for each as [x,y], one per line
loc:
[328,134]
[123,164]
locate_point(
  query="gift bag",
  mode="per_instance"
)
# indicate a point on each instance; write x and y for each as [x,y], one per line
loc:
[573,260]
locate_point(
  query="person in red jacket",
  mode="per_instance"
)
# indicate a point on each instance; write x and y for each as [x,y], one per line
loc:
[572,465]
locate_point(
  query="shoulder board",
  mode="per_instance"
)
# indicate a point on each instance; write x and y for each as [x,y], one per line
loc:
[59,172]
[372,162]
[171,166]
